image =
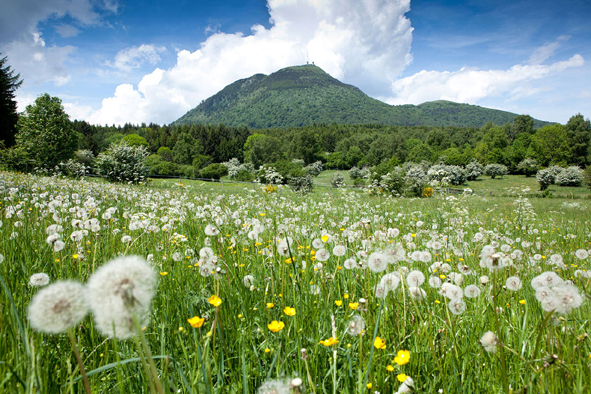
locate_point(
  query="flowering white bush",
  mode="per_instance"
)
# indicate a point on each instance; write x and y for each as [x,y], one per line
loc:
[338,180]
[314,169]
[545,178]
[494,170]
[416,179]
[474,169]
[444,174]
[270,176]
[123,163]
[357,173]
[235,167]
[571,176]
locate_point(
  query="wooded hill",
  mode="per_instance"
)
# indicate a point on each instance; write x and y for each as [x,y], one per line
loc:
[305,95]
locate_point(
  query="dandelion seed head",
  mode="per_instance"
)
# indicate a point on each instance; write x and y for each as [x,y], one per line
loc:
[513,283]
[489,342]
[377,262]
[355,326]
[415,278]
[58,307]
[39,280]
[117,291]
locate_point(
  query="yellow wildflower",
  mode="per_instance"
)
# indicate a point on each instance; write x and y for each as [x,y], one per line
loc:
[276,326]
[214,300]
[379,343]
[402,357]
[196,321]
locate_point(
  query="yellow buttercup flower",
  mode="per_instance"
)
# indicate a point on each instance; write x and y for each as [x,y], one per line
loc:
[276,326]
[324,238]
[522,302]
[353,305]
[270,305]
[401,377]
[164,273]
[390,368]
[289,311]
[329,342]
[402,357]
[214,300]
[196,321]
[379,343]
[338,302]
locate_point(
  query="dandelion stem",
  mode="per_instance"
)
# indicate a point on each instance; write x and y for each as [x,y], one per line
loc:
[79,361]
[148,356]
[375,334]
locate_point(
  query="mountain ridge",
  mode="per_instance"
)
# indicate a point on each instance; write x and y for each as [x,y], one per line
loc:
[303,95]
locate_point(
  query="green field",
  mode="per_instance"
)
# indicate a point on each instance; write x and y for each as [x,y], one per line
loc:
[332,292]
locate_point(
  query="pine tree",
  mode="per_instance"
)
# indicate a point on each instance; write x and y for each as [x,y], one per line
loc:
[8,115]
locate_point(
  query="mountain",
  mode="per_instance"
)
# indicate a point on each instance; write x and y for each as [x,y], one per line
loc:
[303,95]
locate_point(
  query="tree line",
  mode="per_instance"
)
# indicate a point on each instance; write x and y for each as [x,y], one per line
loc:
[43,136]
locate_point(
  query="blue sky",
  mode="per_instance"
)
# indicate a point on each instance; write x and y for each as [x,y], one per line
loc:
[117,61]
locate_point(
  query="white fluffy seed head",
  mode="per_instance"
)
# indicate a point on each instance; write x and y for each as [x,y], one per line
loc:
[58,307]
[513,283]
[118,291]
[489,341]
[415,278]
[39,280]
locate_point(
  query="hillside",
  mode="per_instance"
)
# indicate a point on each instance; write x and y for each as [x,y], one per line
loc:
[304,95]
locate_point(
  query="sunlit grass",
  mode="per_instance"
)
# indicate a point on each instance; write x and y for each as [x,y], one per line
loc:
[311,304]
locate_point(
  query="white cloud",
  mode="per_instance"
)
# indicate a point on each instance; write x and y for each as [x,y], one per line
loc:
[67,31]
[541,54]
[470,85]
[364,43]
[133,57]
[38,63]
[24,44]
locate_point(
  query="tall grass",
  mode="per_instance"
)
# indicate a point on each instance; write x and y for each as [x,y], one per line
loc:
[235,351]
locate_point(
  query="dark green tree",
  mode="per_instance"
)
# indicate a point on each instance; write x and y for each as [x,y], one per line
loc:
[44,131]
[578,132]
[521,124]
[186,149]
[9,83]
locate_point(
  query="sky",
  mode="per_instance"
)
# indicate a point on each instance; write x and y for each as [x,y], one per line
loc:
[132,61]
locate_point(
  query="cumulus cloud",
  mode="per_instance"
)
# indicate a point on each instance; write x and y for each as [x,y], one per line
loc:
[364,43]
[133,57]
[38,63]
[24,44]
[469,85]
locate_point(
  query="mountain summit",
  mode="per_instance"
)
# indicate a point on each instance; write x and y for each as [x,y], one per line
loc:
[303,95]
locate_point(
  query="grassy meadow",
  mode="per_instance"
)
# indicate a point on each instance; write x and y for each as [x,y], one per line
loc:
[333,292]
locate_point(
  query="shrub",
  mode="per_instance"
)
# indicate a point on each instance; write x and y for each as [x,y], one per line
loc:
[494,170]
[528,166]
[301,184]
[214,171]
[444,174]
[269,175]
[415,179]
[123,163]
[473,170]
[234,168]
[571,176]
[358,173]
[84,156]
[314,169]
[545,178]
[338,180]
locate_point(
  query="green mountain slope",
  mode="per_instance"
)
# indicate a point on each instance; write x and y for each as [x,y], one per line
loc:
[304,95]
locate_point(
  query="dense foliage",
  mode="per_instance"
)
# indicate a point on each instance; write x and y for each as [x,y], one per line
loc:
[9,83]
